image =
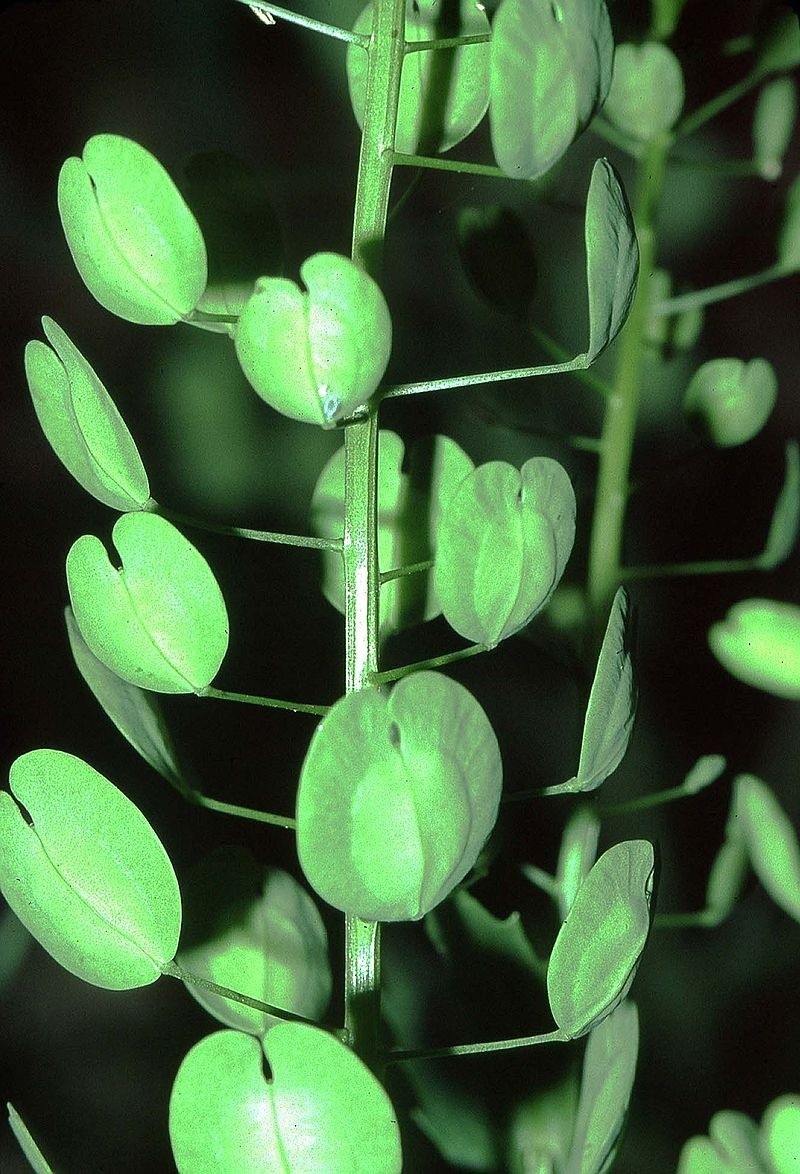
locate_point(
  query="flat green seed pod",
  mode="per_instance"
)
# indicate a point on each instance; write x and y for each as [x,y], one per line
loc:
[789,234]
[785,524]
[609,1068]
[551,66]
[255,931]
[612,258]
[88,877]
[443,95]
[160,621]
[320,1109]
[134,241]
[30,1149]
[758,642]
[82,424]
[503,542]
[598,948]
[730,400]
[773,123]
[397,797]
[771,842]
[780,1134]
[647,91]
[315,356]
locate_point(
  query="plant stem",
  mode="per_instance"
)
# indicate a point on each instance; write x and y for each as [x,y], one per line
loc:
[360,546]
[500,1045]
[315,26]
[268,702]
[424,385]
[619,424]
[274,536]
[718,293]
[717,104]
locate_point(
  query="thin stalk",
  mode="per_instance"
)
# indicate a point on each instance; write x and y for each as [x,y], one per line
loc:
[274,536]
[448,43]
[425,385]
[314,26]
[619,424]
[267,702]
[500,1045]
[717,104]
[718,293]
[432,662]
[435,164]
[360,547]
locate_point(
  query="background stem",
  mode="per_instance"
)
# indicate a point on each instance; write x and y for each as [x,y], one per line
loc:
[360,547]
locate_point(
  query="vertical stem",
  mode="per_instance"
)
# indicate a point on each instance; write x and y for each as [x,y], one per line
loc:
[619,424]
[360,547]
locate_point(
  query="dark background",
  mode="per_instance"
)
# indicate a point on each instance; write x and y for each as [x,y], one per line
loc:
[89,1070]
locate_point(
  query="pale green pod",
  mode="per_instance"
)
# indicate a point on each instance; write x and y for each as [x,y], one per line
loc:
[551,66]
[647,91]
[159,621]
[257,932]
[82,424]
[758,642]
[431,116]
[773,123]
[789,234]
[88,877]
[597,951]
[320,1110]
[609,1068]
[503,542]
[771,842]
[785,524]
[134,241]
[315,356]
[730,400]
[612,258]
[397,797]
[780,1134]
[30,1149]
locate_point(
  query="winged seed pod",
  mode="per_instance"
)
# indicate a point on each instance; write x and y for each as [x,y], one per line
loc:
[81,422]
[315,355]
[134,241]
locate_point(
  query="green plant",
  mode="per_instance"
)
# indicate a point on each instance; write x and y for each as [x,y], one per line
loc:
[398,798]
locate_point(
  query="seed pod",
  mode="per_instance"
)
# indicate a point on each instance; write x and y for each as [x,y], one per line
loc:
[730,401]
[133,239]
[315,356]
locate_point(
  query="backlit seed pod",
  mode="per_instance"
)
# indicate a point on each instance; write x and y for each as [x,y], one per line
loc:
[315,355]
[134,241]
[730,401]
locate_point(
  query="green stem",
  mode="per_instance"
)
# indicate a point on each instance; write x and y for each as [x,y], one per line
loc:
[554,348]
[722,566]
[315,26]
[172,970]
[434,163]
[448,43]
[432,662]
[360,546]
[500,1045]
[274,536]
[281,821]
[718,293]
[267,702]
[408,569]
[424,385]
[619,424]
[716,105]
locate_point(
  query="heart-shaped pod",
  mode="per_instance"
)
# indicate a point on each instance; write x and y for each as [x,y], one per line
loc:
[443,94]
[79,418]
[315,356]
[647,91]
[160,621]
[730,400]
[397,797]
[134,241]
[596,953]
[551,66]
[257,932]
[321,1110]
[88,876]
[758,642]
[503,542]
